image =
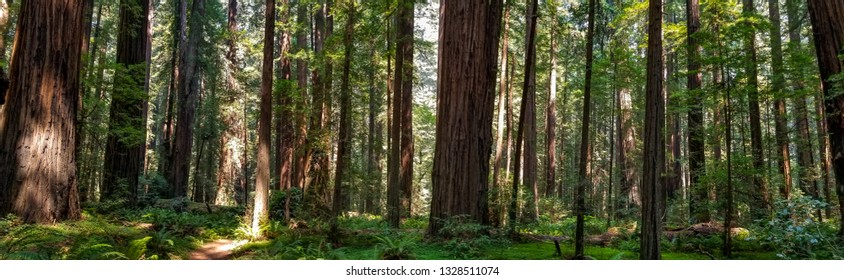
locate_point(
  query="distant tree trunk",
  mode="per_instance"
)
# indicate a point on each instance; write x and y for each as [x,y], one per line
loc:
[465,94]
[373,174]
[527,121]
[260,210]
[188,92]
[299,172]
[827,18]
[317,159]
[698,211]
[284,101]
[760,202]
[179,41]
[345,137]
[4,78]
[498,163]
[777,86]
[653,202]
[551,120]
[526,126]
[38,121]
[801,119]
[583,172]
[125,147]
[727,249]
[823,146]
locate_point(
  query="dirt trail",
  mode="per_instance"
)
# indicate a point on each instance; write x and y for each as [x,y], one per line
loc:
[217,250]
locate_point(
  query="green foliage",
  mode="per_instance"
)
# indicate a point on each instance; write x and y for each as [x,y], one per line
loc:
[277,200]
[795,233]
[465,239]
[396,247]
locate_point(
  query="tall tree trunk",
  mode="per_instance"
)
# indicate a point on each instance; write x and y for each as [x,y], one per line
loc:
[698,211]
[406,43]
[526,127]
[777,86]
[188,91]
[527,117]
[260,210]
[498,163]
[299,172]
[465,94]
[803,140]
[653,202]
[373,175]
[38,121]
[583,174]
[179,41]
[126,144]
[394,188]
[551,118]
[317,161]
[227,170]
[828,29]
[345,137]
[760,201]
[284,102]
[727,249]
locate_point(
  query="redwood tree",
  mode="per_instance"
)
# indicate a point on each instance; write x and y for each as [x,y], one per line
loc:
[583,172]
[187,95]
[827,18]
[38,121]
[468,54]
[653,201]
[697,159]
[260,209]
[125,147]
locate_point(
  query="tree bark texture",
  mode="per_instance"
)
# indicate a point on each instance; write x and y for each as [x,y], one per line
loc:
[38,121]
[468,54]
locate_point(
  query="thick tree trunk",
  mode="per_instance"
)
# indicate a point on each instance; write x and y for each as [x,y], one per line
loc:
[394,188]
[469,34]
[188,91]
[38,121]
[406,44]
[126,144]
[583,169]
[228,171]
[698,211]
[777,86]
[760,201]
[827,18]
[653,202]
[260,210]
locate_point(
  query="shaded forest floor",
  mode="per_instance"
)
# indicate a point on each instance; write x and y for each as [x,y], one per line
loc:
[162,232]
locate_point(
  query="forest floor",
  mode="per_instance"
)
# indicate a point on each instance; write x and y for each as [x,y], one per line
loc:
[194,233]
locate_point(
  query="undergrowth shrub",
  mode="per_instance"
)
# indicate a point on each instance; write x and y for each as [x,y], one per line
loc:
[795,233]
[396,246]
[466,239]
